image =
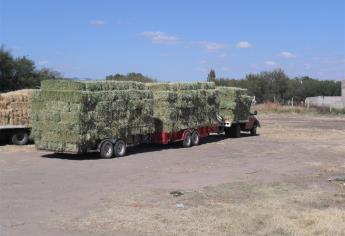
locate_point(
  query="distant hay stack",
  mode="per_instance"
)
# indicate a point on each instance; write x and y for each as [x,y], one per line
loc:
[184,105]
[15,108]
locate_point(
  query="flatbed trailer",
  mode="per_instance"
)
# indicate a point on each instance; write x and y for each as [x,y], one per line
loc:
[194,134]
[111,147]
[17,134]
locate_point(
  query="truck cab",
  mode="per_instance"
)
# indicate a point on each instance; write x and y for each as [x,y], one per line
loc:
[233,128]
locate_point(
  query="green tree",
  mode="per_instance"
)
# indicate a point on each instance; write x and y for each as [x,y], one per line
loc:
[6,70]
[46,73]
[276,85]
[19,73]
[138,77]
[211,77]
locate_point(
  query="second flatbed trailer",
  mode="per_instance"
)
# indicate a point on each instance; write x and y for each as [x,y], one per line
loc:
[111,147]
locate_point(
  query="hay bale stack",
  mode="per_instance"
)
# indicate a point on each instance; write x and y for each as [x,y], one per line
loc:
[73,116]
[15,108]
[234,103]
[184,105]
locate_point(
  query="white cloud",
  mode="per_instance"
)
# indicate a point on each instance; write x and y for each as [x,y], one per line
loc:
[270,63]
[243,44]
[96,22]
[212,47]
[203,62]
[161,38]
[287,55]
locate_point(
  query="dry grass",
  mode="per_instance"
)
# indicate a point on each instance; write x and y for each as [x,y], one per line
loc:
[277,108]
[17,148]
[285,133]
[237,209]
[277,209]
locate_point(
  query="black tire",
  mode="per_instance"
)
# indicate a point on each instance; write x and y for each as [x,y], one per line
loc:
[253,131]
[20,138]
[235,131]
[107,150]
[187,142]
[120,148]
[195,138]
[227,132]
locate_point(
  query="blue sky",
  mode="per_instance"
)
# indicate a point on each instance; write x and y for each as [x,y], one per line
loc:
[178,40]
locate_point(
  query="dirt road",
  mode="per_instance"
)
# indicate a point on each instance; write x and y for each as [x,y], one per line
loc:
[48,194]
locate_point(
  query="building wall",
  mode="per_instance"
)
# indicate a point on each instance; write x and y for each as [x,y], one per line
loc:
[323,101]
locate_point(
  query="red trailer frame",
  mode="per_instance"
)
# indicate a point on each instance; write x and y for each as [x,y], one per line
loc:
[170,137]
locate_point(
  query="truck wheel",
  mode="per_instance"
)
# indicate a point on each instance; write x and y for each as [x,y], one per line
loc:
[195,138]
[253,131]
[235,131]
[20,138]
[187,142]
[107,150]
[227,132]
[120,148]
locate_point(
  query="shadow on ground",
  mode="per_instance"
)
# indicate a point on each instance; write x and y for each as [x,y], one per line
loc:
[143,148]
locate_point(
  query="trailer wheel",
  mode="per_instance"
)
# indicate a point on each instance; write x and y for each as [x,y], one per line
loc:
[227,132]
[107,150]
[235,131]
[120,148]
[195,138]
[187,142]
[253,131]
[20,138]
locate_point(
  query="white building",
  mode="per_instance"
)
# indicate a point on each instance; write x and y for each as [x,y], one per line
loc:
[327,101]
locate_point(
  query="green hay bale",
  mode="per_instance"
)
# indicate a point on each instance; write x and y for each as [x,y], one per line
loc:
[181,106]
[180,86]
[76,120]
[62,85]
[114,85]
[68,85]
[234,103]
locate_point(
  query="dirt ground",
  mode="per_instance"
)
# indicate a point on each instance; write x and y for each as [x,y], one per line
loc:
[276,183]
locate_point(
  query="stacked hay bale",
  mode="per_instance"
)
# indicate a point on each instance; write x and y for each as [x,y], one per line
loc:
[184,105]
[234,103]
[15,108]
[73,116]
